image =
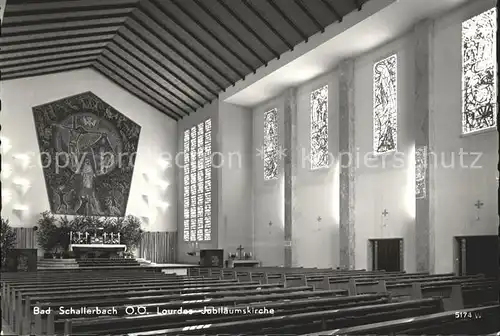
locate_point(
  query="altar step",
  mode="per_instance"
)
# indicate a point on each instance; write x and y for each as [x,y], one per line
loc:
[57,264]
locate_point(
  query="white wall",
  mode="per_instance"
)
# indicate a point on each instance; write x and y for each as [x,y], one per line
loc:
[158,137]
[385,181]
[208,111]
[235,198]
[458,189]
[268,195]
[315,242]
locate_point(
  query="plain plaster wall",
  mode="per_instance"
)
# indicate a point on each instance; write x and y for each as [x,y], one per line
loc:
[385,181]
[316,226]
[460,186]
[157,140]
[235,198]
[268,195]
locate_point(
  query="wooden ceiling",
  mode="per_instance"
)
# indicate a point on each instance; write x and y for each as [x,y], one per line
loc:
[176,55]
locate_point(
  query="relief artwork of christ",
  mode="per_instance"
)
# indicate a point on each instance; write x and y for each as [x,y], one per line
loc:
[87,151]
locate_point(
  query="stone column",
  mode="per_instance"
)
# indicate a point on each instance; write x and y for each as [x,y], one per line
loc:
[290,167]
[422,39]
[347,151]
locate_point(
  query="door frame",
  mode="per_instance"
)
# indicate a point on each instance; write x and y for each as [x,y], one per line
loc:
[372,256]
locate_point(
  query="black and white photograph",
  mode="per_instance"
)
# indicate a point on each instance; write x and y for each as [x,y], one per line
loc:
[249,167]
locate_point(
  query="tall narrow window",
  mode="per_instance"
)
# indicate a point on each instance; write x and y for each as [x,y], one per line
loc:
[271,144]
[420,172]
[479,107]
[198,182]
[319,128]
[385,105]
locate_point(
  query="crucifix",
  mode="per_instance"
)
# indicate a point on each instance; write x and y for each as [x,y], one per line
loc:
[240,249]
[478,205]
[385,213]
[270,224]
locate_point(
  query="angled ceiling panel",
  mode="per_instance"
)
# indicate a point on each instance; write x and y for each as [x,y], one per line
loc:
[176,55]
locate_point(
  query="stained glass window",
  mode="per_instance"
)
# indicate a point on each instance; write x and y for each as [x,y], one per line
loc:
[319,128]
[197,182]
[385,105]
[420,171]
[271,144]
[479,107]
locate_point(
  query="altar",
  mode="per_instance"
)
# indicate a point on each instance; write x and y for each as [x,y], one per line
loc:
[96,244]
[105,251]
[231,263]
[241,259]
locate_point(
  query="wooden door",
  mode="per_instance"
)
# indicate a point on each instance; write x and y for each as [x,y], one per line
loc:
[478,255]
[387,254]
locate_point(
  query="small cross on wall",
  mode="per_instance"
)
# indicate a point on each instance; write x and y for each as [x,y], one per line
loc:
[479,204]
[270,223]
[319,219]
[385,213]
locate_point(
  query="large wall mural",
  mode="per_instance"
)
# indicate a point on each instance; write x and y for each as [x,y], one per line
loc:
[87,151]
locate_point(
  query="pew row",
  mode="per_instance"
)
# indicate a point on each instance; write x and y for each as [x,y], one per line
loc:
[475,321]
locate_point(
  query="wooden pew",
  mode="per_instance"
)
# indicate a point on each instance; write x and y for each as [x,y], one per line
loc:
[31,298]
[449,290]
[310,321]
[344,283]
[197,307]
[27,301]
[475,321]
[12,293]
[210,271]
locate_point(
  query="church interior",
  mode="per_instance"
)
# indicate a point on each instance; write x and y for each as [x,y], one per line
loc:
[287,167]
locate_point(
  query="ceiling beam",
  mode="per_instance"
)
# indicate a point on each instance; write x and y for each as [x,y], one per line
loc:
[45,64]
[358,4]
[164,36]
[55,43]
[221,23]
[268,25]
[45,71]
[63,34]
[332,9]
[58,17]
[306,11]
[56,27]
[39,59]
[151,53]
[287,19]
[51,51]
[214,36]
[244,24]
[133,88]
[139,80]
[136,68]
[170,17]
[119,45]
[16,8]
